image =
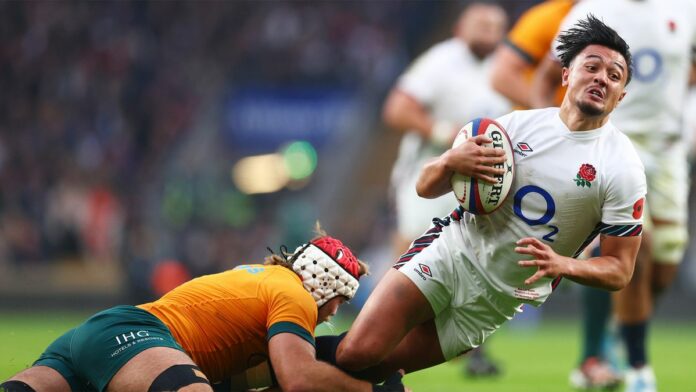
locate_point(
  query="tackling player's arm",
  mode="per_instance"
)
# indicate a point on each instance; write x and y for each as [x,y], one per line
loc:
[508,75]
[526,45]
[612,270]
[545,82]
[296,368]
[469,159]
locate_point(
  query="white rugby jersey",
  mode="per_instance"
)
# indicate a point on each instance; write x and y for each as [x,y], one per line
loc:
[568,187]
[661,35]
[454,85]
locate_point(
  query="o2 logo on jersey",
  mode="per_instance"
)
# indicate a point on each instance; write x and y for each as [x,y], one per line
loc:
[647,65]
[545,218]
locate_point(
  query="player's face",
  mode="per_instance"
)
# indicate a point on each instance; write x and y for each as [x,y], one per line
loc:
[330,308]
[482,27]
[596,79]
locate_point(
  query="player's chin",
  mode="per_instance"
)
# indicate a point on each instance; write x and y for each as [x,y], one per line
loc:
[591,108]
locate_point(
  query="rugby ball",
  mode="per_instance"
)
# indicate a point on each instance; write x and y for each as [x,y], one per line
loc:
[479,197]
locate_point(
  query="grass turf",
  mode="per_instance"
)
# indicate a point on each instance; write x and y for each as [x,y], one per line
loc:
[534,360]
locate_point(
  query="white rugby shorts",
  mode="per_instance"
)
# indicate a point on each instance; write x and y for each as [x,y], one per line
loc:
[467,309]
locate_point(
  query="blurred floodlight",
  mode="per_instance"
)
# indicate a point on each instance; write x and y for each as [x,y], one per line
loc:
[300,159]
[260,174]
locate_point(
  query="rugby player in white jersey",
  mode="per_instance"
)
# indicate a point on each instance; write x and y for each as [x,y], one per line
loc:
[577,177]
[442,90]
[662,36]
[431,101]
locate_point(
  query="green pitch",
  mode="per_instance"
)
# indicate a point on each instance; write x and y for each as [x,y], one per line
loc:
[534,360]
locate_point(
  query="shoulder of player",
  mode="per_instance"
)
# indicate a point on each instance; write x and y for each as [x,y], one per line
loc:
[621,152]
[444,50]
[432,60]
[522,122]
[278,272]
[527,115]
[283,280]
[290,303]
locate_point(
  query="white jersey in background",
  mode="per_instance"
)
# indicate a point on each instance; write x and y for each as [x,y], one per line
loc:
[661,35]
[568,187]
[454,86]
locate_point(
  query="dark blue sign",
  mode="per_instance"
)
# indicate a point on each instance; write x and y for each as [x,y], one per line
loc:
[262,119]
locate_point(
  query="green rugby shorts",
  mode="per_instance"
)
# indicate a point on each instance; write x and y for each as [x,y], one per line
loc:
[89,355]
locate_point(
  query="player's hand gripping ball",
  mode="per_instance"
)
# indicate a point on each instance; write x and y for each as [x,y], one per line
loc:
[479,197]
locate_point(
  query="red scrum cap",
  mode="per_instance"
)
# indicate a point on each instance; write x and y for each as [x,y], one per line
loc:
[328,268]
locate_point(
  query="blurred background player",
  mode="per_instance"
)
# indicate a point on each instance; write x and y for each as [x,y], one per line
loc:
[526,45]
[229,328]
[444,88]
[662,36]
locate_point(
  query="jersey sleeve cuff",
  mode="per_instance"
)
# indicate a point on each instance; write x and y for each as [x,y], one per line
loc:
[290,327]
[526,56]
[621,230]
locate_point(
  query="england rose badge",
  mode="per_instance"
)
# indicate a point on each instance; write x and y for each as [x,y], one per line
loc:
[585,176]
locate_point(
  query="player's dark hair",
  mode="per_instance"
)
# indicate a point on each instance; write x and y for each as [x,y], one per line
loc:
[591,31]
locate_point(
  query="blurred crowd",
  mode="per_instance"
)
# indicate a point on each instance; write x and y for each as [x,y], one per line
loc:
[103,103]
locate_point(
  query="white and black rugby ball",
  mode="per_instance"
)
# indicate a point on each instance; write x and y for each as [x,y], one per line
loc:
[480,197]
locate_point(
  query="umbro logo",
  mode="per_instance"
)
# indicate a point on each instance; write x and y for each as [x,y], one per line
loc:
[423,271]
[522,148]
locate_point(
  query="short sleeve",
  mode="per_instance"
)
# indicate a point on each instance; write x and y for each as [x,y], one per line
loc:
[421,78]
[625,196]
[290,309]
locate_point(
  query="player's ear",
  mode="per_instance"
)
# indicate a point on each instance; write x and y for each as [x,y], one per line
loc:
[565,74]
[623,94]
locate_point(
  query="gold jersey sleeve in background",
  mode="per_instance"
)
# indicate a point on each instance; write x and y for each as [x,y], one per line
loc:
[224,321]
[533,33]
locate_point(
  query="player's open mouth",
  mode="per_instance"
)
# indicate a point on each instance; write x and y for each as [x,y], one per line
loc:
[596,92]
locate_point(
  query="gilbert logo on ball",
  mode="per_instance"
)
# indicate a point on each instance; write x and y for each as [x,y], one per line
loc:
[480,197]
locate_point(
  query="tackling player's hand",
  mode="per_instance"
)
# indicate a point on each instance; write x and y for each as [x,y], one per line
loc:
[393,383]
[548,262]
[473,160]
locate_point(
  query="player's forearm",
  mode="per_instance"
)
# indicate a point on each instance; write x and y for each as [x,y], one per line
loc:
[508,76]
[513,86]
[403,113]
[434,180]
[544,84]
[605,272]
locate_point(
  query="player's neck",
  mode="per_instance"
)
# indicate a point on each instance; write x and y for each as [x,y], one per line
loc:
[577,121]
